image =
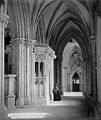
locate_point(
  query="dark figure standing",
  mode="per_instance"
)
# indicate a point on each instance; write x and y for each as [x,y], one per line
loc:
[56,93]
[90,107]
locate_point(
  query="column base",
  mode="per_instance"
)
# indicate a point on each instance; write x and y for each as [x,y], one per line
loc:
[27,101]
[20,102]
[3,113]
[98,112]
[51,97]
[39,101]
[11,101]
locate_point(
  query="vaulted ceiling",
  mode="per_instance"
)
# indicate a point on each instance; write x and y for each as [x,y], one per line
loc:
[53,22]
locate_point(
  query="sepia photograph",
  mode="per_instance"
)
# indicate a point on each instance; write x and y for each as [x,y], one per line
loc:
[50,59]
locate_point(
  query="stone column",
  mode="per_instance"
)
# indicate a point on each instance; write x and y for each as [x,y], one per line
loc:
[3,24]
[65,79]
[11,96]
[28,69]
[49,67]
[44,74]
[53,56]
[71,84]
[39,75]
[28,72]
[45,82]
[94,72]
[68,82]
[32,65]
[13,60]
[19,52]
[84,78]
[88,75]
[80,81]
[39,69]
[98,49]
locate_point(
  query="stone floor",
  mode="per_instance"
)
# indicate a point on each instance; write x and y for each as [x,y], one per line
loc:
[70,108]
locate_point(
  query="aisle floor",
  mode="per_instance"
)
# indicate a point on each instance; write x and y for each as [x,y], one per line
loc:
[69,108]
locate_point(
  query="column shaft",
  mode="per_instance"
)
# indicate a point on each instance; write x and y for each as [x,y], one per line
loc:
[1,65]
[93,45]
[28,72]
[19,69]
[3,24]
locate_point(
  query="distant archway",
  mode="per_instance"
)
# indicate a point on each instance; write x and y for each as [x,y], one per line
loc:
[76,82]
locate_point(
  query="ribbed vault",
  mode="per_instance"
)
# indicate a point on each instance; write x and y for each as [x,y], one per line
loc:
[55,23]
[42,20]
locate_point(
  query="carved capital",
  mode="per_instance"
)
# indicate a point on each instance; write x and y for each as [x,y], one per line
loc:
[92,38]
[40,53]
[24,41]
[30,42]
[18,41]
[8,49]
[3,20]
[90,51]
[40,56]
[65,67]
[33,42]
[50,52]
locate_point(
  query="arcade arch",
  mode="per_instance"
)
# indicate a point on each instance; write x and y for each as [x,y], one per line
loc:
[72,62]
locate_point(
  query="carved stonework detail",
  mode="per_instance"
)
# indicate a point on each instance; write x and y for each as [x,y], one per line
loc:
[39,80]
[8,49]
[30,42]
[3,20]
[50,52]
[24,41]
[18,41]
[40,57]
[40,54]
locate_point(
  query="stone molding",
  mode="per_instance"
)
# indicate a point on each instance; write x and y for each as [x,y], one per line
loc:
[92,37]
[24,41]
[39,80]
[90,51]
[65,67]
[30,42]
[42,52]
[3,20]
[51,52]
[17,41]
[8,49]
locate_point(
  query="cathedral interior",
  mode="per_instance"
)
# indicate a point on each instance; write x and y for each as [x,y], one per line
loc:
[44,43]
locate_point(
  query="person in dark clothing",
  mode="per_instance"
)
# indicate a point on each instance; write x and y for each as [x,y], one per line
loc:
[90,107]
[56,93]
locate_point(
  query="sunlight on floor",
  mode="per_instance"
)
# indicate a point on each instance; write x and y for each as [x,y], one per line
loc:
[62,103]
[67,102]
[26,115]
[73,94]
